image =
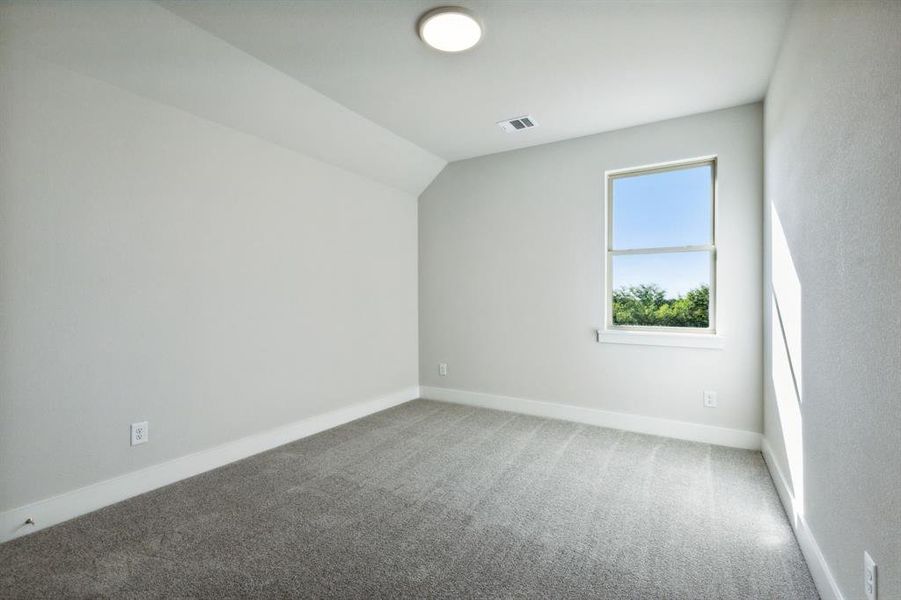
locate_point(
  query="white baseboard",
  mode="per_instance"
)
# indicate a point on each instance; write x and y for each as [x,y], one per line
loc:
[682,430]
[63,507]
[822,576]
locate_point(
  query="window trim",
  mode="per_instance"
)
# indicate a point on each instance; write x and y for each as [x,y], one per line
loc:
[667,336]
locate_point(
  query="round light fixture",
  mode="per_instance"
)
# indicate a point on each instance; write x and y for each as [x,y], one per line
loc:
[450,29]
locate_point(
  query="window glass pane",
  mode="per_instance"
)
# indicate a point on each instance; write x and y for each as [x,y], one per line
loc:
[669,208]
[665,290]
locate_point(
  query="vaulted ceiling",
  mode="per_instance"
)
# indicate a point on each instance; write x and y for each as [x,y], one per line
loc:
[579,67]
[350,84]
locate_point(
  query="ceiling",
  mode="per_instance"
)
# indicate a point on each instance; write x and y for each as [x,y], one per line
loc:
[578,67]
[146,50]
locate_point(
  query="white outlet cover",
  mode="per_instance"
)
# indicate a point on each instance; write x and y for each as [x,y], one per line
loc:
[140,433]
[710,399]
[869,577]
[442,369]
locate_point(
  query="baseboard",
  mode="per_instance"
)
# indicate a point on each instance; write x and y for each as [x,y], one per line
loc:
[69,505]
[682,430]
[822,576]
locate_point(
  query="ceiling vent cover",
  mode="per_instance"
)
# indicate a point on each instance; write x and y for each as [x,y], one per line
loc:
[517,124]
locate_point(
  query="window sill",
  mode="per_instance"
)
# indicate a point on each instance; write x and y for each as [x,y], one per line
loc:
[653,338]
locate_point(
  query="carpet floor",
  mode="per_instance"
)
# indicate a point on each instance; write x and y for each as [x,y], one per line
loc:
[434,500]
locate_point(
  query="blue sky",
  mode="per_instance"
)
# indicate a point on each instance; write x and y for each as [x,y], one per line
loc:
[671,208]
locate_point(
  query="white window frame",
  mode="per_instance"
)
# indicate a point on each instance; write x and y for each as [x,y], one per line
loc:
[649,334]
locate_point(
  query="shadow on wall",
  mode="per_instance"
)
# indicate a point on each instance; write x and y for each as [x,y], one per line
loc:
[785,299]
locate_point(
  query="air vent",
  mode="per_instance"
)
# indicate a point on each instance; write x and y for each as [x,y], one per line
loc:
[517,124]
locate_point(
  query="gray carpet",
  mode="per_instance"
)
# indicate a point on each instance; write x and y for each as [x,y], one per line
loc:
[433,500]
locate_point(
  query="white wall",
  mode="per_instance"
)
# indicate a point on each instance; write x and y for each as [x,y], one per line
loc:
[512,272]
[833,256]
[156,265]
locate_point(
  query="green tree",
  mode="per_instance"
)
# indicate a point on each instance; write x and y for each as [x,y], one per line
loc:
[647,304]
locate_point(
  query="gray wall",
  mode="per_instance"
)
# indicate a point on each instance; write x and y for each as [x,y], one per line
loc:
[156,265]
[512,272]
[833,255]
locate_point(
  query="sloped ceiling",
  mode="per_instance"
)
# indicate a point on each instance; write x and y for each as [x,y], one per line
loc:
[148,50]
[578,66]
[349,82]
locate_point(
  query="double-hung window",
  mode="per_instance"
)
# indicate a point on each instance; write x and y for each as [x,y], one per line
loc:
[661,249]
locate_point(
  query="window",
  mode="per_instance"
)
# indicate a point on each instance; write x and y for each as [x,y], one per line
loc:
[661,248]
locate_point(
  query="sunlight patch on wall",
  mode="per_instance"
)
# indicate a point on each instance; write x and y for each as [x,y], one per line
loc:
[785,339]
[789,409]
[787,288]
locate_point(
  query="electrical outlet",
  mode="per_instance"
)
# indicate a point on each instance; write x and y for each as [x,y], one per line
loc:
[869,577]
[442,369]
[710,399]
[140,433]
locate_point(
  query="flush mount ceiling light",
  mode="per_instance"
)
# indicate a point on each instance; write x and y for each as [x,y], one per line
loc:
[450,29]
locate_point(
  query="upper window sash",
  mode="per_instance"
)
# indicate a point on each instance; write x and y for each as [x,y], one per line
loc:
[647,210]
